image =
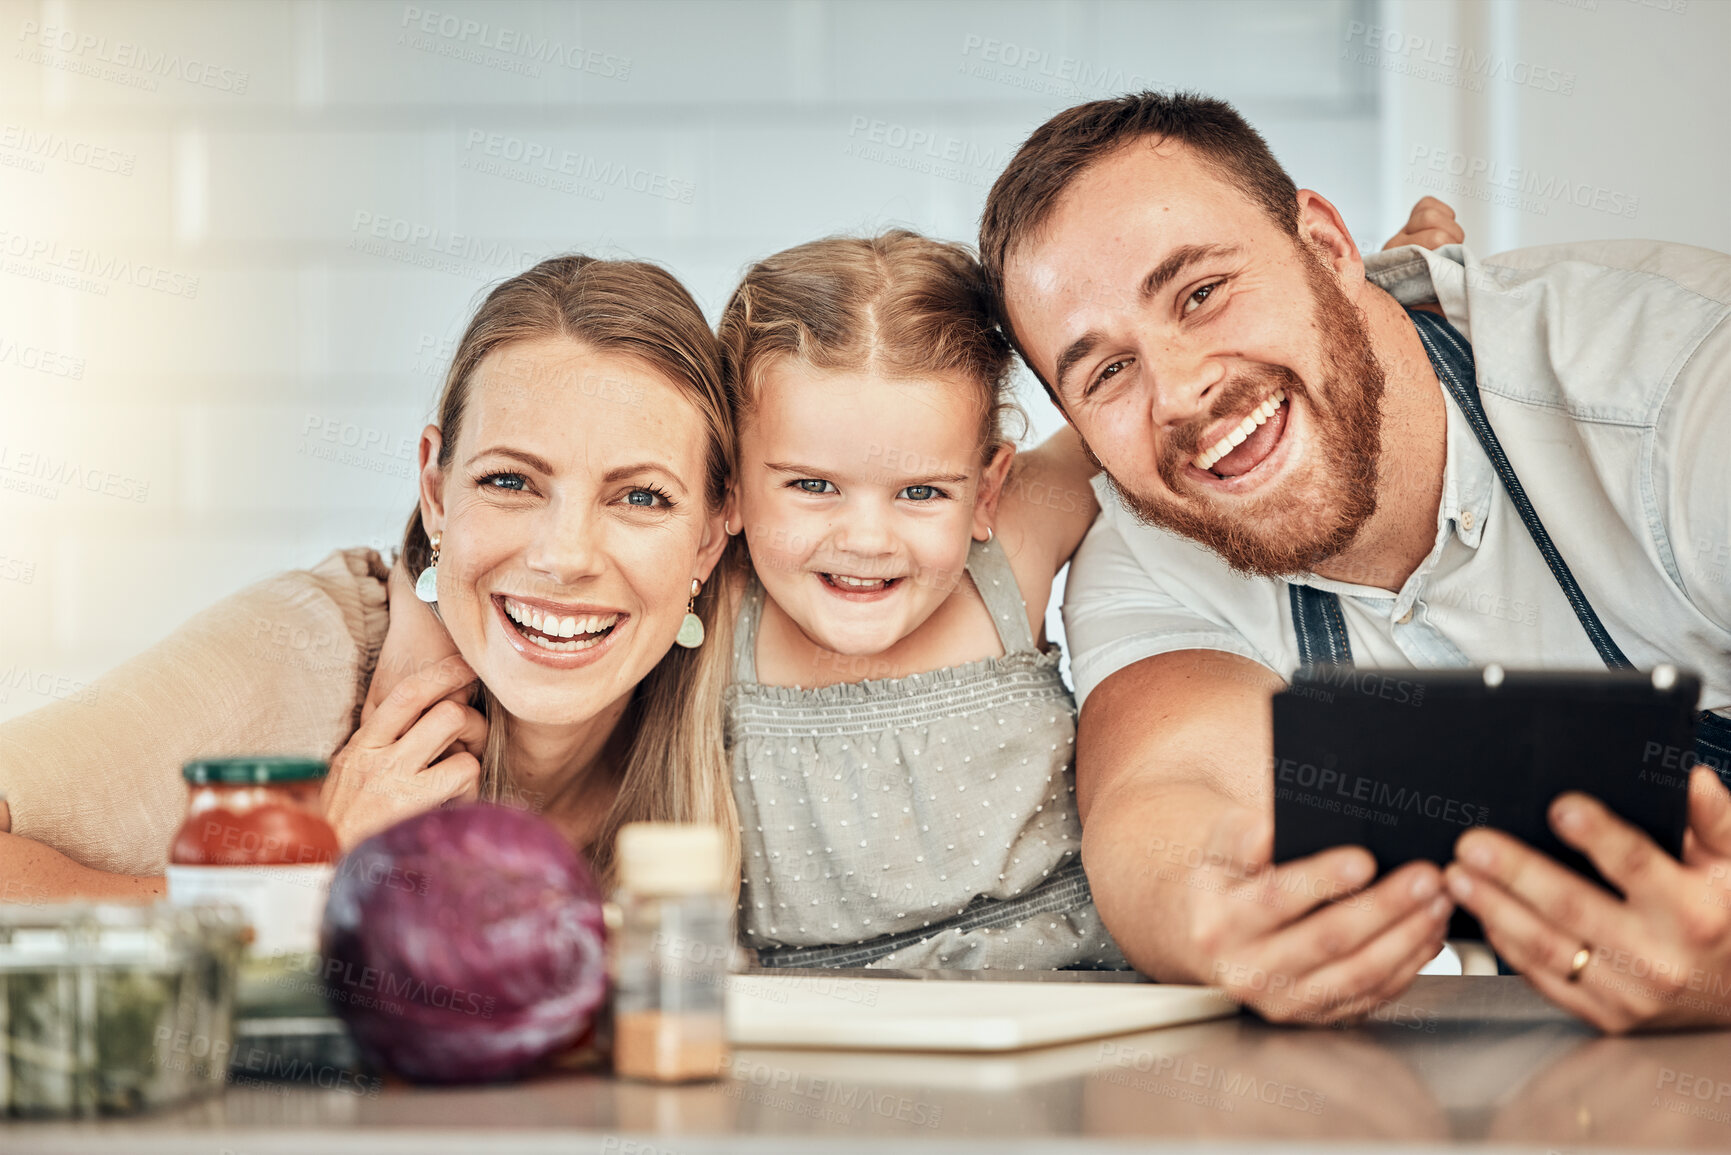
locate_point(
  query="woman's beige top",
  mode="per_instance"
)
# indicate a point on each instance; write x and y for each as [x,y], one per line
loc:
[280,668]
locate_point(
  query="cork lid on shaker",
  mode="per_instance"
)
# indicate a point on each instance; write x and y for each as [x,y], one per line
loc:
[670,858]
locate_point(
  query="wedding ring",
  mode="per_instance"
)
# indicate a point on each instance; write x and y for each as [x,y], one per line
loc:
[1579,963]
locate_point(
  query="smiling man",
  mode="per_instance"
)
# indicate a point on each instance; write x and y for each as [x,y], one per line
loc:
[1302,446]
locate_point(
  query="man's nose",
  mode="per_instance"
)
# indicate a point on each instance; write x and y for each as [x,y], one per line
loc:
[1182,385]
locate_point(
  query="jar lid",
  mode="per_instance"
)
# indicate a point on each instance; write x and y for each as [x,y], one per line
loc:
[672,858]
[254,770]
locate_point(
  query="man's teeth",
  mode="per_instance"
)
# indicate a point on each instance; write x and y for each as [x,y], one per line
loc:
[854,583]
[556,626]
[1207,458]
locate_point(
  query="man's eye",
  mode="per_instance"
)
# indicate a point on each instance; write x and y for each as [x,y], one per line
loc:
[512,481]
[1109,371]
[814,485]
[920,492]
[1195,299]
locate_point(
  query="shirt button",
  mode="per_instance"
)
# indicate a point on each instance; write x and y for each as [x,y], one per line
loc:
[1404,618]
[1467,520]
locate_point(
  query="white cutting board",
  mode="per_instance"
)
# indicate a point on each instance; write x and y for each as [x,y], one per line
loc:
[922,1015]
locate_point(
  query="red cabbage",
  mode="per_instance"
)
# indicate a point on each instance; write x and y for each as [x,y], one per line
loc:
[463,945]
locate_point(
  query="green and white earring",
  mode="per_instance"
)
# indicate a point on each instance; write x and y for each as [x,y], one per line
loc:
[691,629]
[427,585]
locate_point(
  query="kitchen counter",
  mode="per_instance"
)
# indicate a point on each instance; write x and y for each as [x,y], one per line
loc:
[1477,1062]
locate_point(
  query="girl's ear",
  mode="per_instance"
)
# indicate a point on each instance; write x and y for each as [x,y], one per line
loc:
[992,480]
[732,520]
[432,481]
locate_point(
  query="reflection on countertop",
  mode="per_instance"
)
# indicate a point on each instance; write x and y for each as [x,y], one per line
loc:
[1454,1061]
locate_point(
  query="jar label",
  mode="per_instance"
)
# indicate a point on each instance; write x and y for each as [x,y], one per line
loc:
[284,904]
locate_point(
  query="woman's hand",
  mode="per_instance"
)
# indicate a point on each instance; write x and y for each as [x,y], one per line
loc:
[415,640]
[419,749]
[1431,226]
[1661,957]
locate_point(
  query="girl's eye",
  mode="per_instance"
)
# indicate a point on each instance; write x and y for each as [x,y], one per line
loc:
[815,485]
[648,497]
[511,481]
[1195,300]
[920,492]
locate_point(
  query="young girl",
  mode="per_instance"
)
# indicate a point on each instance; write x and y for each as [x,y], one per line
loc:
[901,739]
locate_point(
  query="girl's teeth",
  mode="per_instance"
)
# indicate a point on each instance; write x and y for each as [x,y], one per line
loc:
[858,583]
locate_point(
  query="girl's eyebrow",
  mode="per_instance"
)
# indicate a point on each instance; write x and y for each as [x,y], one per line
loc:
[813,471]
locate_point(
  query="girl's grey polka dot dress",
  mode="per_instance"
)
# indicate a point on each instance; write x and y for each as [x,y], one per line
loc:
[926,821]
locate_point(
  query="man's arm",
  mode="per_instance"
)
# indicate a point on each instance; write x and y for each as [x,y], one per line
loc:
[1171,778]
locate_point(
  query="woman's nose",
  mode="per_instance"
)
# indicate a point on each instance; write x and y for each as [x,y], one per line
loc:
[566,545]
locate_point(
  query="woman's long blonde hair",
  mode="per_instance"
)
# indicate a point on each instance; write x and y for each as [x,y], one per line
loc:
[675,769]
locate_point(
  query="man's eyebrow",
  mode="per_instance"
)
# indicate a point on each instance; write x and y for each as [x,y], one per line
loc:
[1077,350]
[538,464]
[1180,259]
[1158,278]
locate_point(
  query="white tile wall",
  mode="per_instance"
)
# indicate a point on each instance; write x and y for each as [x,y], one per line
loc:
[259,140]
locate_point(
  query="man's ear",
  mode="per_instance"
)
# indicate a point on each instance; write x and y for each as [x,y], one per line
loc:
[992,480]
[1321,224]
[432,481]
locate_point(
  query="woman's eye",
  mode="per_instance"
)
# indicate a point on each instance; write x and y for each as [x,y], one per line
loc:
[1194,301]
[814,485]
[647,498]
[920,492]
[512,481]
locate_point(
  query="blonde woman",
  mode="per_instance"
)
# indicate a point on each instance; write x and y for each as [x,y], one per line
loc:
[570,518]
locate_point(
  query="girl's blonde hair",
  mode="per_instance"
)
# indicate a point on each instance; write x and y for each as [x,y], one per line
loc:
[898,304]
[675,768]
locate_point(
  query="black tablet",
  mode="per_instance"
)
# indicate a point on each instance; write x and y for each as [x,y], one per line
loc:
[1403,761]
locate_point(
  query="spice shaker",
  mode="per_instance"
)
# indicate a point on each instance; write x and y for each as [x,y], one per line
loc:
[673,923]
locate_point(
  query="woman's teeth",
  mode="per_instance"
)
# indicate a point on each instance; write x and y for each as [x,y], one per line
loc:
[587,629]
[1207,458]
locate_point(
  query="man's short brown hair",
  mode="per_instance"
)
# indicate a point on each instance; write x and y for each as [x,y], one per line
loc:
[1059,151]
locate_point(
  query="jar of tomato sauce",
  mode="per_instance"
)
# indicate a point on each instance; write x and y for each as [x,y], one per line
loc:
[254,836]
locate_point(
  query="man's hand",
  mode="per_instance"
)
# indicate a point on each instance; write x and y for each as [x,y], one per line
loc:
[1302,942]
[415,641]
[420,749]
[1173,782]
[1658,957]
[1431,226]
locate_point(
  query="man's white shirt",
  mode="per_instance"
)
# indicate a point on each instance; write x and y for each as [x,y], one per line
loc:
[1605,370]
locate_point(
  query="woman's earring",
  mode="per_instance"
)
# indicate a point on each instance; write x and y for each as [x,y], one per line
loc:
[427,585]
[988,540]
[691,629]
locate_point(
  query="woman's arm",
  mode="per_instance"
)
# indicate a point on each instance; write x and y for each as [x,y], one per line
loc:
[276,668]
[33,873]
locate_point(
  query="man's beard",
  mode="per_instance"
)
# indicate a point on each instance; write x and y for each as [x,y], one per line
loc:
[1289,532]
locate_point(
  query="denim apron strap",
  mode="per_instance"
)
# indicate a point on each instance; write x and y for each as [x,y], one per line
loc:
[1316,613]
